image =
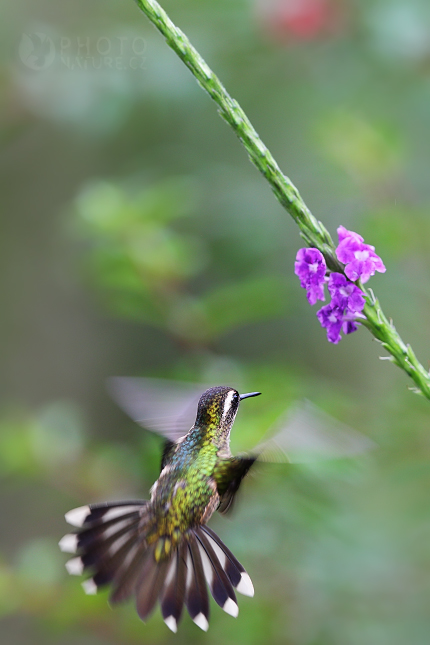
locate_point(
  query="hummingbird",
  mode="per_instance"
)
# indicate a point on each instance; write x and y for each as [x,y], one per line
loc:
[161,549]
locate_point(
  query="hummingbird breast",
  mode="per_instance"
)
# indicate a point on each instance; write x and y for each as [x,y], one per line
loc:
[185,494]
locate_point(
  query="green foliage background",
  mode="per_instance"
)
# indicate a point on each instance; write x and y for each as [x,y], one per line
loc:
[137,239]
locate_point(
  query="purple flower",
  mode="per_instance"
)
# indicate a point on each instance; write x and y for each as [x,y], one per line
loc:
[349,326]
[347,303]
[360,259]
[343,233]
[345,294]
[347,300]
[331,317]
[335,319]
[310,267]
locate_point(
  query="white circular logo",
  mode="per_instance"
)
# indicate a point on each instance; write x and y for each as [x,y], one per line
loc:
[37,51]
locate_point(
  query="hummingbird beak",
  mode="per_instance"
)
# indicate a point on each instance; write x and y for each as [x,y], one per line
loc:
[246,396]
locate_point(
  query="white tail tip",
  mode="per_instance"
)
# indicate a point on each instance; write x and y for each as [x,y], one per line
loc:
[77,516]
[171,623]
[231,608]
[90,587]
[202,622]
[75,566]
[69,543]
[245,585]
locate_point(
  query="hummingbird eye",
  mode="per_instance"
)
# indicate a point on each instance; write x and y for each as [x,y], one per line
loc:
[230,404]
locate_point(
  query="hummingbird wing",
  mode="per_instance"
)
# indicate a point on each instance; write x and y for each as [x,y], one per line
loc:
[228,476]
[167,408]
[302,435]
[306,434]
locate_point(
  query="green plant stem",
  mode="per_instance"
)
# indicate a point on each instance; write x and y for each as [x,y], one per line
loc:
[401,354]
[313,231]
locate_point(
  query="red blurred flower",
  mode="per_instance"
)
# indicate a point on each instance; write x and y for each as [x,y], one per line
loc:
[301,19]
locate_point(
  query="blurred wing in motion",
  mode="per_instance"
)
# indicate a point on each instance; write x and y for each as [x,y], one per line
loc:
[303,435]
[165,407]
[229,474]
[307,433]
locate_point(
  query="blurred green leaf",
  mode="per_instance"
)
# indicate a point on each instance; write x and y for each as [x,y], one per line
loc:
[40,563]
[58,436]
[398,231]
[16,450]
[52,439]
[370,152]
[105,208]
[236,304]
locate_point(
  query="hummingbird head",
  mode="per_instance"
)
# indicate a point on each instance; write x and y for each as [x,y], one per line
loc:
[218,407]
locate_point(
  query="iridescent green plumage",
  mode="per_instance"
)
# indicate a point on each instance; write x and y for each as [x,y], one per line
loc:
[198,471]
[162,548]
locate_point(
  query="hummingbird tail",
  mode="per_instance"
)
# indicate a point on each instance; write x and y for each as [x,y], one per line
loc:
[116,542]
[210,561]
